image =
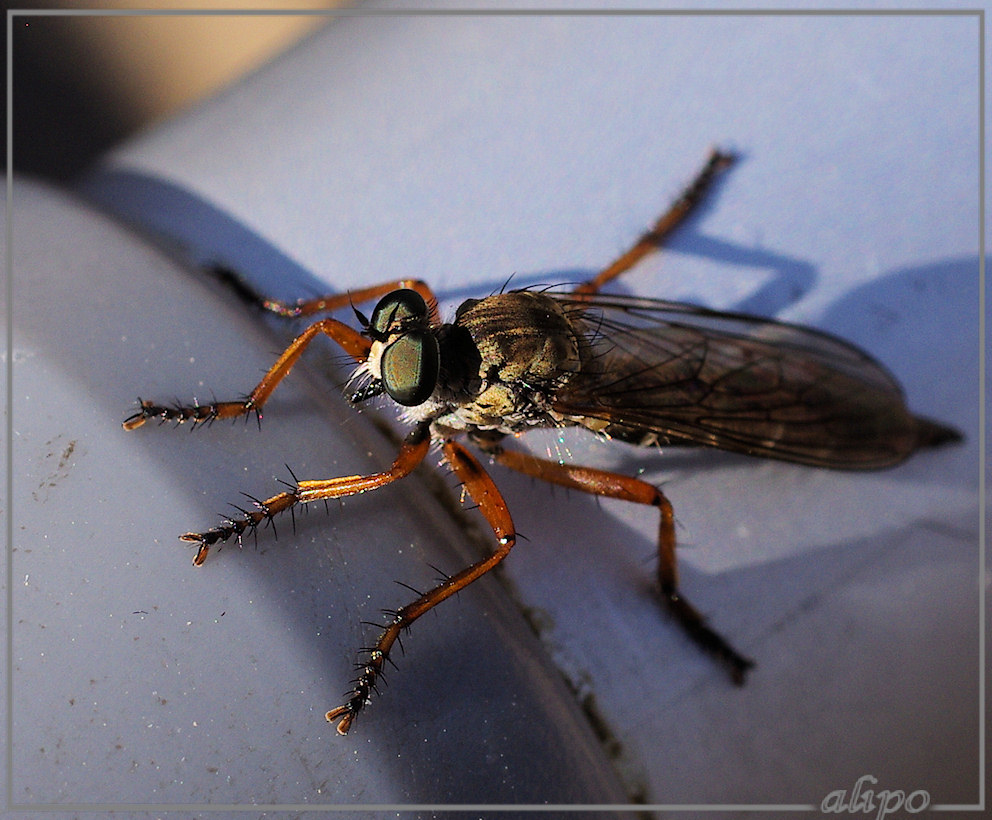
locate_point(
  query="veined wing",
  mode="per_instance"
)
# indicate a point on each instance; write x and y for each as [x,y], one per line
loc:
[671,373]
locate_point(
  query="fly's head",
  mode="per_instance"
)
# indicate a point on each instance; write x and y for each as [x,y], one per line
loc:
[405,359]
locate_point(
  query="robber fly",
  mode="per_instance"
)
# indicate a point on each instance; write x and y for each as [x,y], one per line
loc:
[642,371]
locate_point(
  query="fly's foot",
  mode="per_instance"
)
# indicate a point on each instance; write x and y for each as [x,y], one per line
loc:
[361,696]
[346,713]
[365,685]
[711,641]
[247,522]
[195,413]
[180,414]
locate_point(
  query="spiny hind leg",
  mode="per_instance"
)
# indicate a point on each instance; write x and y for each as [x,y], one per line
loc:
[625,488]
[655,237]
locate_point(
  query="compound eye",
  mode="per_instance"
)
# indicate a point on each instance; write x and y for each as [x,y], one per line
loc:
[410,367]
[396,307]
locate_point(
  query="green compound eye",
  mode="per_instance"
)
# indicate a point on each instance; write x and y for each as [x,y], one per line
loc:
[398,306]
[410,367]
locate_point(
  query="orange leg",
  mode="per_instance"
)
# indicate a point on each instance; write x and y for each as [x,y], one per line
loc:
[668,222]
[351,341]
[484,493]
[325,304]
[412,452]
[322,304]
[611,485]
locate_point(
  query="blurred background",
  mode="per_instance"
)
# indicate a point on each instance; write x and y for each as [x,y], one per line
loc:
[83,82]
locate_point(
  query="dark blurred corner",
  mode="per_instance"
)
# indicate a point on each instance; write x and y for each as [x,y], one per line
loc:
[82,83]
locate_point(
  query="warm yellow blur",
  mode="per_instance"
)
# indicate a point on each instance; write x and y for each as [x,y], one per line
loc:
[156,65]
[83,82]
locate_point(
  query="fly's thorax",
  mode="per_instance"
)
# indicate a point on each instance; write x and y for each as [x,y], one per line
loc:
[521,336]
[524,350]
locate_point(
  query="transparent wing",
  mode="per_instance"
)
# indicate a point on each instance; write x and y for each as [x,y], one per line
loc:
[666,372]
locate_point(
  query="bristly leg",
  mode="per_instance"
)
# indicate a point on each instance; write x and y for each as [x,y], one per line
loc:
[317,304]
[412,452]
[195,413]
[611,485]
[350,340]
[484,493]
[656,235]
[249,521]
[353,342]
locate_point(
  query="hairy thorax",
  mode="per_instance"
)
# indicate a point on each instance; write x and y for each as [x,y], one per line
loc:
[505,357]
